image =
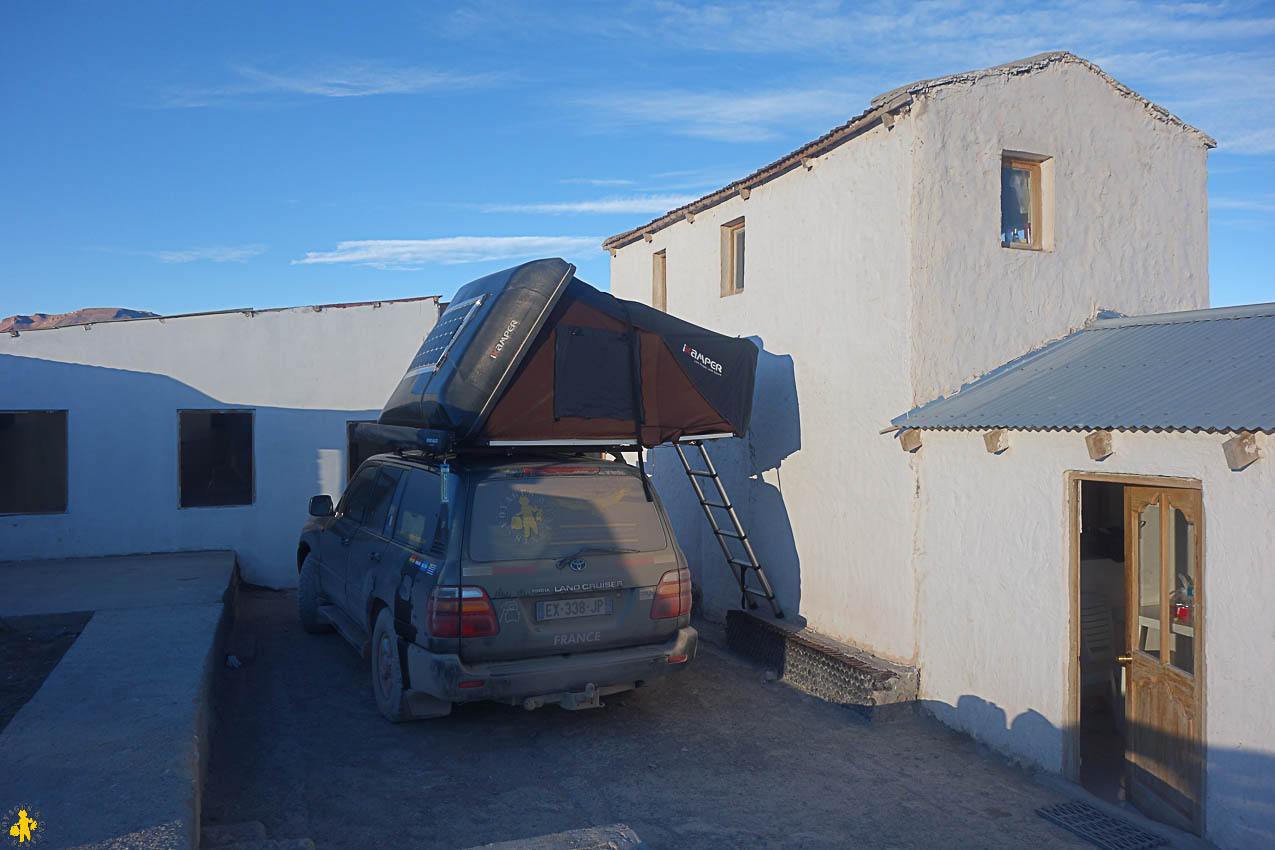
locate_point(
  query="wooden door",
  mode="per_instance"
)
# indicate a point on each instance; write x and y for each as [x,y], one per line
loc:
[1164,691]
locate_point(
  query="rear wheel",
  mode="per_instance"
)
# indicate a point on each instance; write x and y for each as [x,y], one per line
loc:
[310,597]
[392,701]
[387,676]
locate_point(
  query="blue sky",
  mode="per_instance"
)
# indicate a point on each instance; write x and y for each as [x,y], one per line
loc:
[179,157]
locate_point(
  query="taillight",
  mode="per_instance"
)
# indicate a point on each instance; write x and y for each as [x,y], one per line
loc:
[461,612]
[672,595]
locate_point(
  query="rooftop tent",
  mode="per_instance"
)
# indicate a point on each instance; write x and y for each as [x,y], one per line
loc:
[532,354]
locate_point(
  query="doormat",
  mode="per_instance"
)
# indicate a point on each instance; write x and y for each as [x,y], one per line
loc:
[1098,827]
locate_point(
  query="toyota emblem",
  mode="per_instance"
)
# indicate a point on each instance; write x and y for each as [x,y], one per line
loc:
[579,564]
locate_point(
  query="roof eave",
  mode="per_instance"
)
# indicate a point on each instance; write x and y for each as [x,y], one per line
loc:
[881,105]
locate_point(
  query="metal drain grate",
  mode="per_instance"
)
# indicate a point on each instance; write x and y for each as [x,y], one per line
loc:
[1099,828]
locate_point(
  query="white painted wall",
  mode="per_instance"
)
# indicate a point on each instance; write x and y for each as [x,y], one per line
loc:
[876,281]
[1130,219]
[304,373]
[993,619]
[826,297]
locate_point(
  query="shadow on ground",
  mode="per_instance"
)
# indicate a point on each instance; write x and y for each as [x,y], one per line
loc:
[712,758]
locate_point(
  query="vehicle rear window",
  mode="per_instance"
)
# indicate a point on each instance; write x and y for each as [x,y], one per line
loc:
[554,516]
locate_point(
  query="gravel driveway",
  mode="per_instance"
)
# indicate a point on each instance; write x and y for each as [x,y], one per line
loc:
[715,757]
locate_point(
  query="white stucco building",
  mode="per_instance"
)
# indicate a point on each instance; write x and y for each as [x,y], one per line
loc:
[954,226]
[206,431]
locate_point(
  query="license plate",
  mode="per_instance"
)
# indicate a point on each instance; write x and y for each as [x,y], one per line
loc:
[561,610]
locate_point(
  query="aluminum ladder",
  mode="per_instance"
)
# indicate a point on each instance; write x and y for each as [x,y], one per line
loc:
[739,567]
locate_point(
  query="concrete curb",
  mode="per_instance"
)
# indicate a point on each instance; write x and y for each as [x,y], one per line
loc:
[205,717]
[617,836]
[112,750]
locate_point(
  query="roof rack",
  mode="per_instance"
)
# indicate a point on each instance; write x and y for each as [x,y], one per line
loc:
[432,441]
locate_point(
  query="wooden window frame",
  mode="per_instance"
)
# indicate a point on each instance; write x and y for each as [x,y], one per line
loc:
[729,231]
[1040,184]
[659,280]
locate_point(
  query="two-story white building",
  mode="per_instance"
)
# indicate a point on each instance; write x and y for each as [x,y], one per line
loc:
[956,225]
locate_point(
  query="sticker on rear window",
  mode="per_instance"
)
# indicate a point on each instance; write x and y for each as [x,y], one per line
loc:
[520,516]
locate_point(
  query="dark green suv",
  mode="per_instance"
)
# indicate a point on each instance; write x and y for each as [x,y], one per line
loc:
[550,579]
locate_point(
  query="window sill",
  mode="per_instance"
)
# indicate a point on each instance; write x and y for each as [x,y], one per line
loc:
[214,507]
[1018,246]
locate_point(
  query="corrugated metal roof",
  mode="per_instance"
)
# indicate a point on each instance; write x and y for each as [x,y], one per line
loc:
[1201,370]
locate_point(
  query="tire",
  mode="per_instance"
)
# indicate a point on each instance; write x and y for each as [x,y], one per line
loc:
[310,597]
[387,679]
[387,674]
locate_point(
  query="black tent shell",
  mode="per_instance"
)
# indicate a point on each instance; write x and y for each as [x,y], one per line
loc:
[533,355]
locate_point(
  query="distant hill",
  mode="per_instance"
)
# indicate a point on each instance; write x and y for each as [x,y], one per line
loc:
[75,317]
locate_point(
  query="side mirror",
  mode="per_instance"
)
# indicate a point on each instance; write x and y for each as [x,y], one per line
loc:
[320,506]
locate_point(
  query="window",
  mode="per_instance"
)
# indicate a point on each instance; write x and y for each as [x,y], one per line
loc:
[381,495]
[33,457]
[733,257]
[418,510]
[367,500]
[1026,215]
[659,281]
[354,500]
[215,458]
[551,516]
[356,451]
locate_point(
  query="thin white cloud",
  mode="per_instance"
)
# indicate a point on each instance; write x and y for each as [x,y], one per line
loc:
[730,116]
[641,204]
[210,253]
[350,80]
[1209,62]
[593,181]
[1242,204]
[408,254]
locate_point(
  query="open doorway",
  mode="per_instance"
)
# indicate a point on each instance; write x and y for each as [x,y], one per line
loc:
[1103,625]
[1138,629]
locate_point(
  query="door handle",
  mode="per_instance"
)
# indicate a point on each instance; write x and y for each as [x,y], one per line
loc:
[345,541]
[375,556]
[1124,659]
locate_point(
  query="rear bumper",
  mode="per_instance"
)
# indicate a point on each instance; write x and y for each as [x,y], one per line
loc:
[440,676]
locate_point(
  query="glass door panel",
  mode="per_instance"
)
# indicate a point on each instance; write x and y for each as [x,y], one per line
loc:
[1148,577]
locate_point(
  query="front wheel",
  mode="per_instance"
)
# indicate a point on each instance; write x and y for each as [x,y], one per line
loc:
[310,597]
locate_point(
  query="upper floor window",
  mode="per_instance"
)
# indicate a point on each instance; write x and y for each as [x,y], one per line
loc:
[659,280]
[733,257]
[1024,219]
[33,457]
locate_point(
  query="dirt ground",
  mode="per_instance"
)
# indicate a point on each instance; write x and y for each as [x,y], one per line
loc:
[715,757]
[30,647]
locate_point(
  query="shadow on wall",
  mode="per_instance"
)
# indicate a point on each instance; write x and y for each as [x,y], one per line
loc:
[122,470]
[1239,787]
[750,471]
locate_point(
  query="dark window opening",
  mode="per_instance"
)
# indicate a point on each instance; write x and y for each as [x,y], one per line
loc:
[356,450]
[33,460]
[215,458]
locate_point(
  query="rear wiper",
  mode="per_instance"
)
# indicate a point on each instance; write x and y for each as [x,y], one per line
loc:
[562,562]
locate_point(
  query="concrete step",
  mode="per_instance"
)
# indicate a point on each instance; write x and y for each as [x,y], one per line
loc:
[222,834]
[825,668]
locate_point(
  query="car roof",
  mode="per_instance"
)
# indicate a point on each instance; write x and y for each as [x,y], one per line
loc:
[498,462]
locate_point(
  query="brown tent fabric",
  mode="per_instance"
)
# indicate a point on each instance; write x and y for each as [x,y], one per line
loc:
[526,411]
